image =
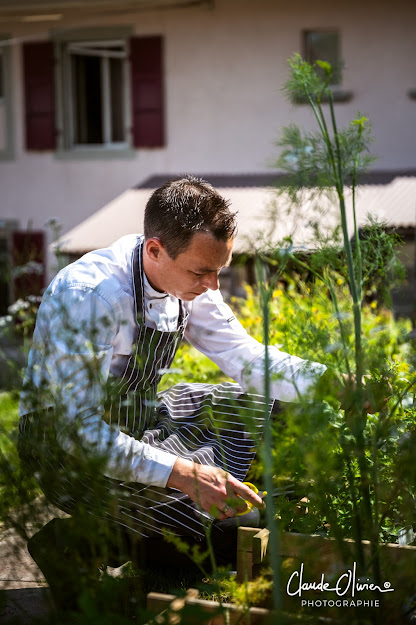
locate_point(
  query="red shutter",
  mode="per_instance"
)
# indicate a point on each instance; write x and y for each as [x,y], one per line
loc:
[38,72]
[28,257]
[146,54]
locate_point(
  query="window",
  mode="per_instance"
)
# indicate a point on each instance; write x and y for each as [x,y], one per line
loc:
[94,93]
[323,45]
[5,297]
[6,280]
[22,263]
[6,105]
[96,89]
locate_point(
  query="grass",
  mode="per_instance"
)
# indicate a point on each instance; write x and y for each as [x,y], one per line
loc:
[9,403]
[9,420]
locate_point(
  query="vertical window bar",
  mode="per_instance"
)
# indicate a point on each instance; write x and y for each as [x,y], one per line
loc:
[69,97]
[128,122]
[106,99]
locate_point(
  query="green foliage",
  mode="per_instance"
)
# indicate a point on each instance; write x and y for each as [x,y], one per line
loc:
[348,463]
[23,313]
[8,434]
[254,593]
[304,80]
[380,265]
[303,322]
[352,467]
[311,441]
[191,366]
[303,157]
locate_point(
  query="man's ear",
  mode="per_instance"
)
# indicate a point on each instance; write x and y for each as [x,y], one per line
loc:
[154,249]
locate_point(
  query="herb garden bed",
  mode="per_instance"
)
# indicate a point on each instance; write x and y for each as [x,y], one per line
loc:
[313,567]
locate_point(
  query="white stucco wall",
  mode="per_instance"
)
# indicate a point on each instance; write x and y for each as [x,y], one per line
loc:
[224,69]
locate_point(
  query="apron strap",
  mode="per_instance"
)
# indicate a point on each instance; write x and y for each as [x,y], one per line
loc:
[138,282]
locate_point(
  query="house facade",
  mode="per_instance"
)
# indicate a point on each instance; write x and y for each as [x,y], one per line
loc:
[97,96]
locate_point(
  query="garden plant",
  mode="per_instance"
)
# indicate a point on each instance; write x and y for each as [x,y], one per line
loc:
[350,448]
[337,463]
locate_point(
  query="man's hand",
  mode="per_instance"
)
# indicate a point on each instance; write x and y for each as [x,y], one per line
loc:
[212,488]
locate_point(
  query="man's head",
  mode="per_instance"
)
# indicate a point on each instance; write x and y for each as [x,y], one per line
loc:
[189,234]
[181,208]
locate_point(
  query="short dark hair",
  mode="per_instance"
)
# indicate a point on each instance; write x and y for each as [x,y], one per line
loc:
[184,206]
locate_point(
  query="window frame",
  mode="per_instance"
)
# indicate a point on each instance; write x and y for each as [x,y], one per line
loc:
[7,227]
[8,152]
[339,93]
[63,41]
[333,31]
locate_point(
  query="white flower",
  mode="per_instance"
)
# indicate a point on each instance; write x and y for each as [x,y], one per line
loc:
[32,267]
[19,305]
[5,321]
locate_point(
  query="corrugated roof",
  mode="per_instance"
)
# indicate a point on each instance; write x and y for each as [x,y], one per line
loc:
[262,214]
[265,179]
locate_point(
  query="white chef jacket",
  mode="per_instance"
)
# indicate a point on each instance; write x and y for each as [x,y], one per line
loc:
[87,319]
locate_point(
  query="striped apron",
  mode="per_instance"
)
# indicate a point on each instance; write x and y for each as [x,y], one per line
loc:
[209,424]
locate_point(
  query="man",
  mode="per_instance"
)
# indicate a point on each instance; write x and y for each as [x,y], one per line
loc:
[107,329]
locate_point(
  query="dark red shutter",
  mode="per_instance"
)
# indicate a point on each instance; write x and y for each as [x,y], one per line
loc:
[146,55]
[38,72]
[28,258]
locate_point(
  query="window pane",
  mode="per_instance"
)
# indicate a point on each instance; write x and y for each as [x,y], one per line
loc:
[323,46]
[87,99]
[117,100]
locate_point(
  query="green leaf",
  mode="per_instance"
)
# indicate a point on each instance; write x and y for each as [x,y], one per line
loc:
[326,67]
[361,122]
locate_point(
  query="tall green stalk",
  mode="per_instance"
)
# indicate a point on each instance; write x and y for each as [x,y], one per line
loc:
[272,523]
[306,83]
[358,413]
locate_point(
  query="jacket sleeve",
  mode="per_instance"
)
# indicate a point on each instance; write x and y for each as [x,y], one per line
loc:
[214,330]
[70,363]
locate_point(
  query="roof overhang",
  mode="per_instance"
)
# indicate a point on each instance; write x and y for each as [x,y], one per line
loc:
[15,11]
[263,216]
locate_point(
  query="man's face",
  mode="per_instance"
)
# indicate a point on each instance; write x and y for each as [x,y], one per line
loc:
[193,271]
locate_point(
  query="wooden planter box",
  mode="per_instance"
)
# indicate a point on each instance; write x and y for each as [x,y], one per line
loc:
[251,552]
[319,555]
[322,555]
[168,609]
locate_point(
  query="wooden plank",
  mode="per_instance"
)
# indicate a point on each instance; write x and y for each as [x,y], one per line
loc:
[323,555]
[245,537]
[251,551]
[166,607]
[294,545]
[259,543]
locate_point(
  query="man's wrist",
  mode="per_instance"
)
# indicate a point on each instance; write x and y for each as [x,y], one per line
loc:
[181,472]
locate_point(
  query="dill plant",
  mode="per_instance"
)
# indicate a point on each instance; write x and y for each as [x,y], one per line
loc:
[347,463]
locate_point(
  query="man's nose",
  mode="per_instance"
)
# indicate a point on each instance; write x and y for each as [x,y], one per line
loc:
[211,281]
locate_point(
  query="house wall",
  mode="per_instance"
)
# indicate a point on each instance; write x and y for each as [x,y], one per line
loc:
[225,66]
